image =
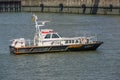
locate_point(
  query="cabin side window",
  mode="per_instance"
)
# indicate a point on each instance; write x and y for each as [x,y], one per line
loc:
[55,36]
[47,36]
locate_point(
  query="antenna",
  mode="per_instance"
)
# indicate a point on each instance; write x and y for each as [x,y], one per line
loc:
[38,24]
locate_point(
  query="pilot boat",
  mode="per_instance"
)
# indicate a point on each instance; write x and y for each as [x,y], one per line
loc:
[47,40]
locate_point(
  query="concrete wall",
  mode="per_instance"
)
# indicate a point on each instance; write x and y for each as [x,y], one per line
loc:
[73,6]
[71,2]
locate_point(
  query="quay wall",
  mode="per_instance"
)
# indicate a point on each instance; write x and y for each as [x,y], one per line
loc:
[100,3]
[62,6]
[73,6]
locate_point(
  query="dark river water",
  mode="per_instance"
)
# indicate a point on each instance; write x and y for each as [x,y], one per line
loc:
[102,64]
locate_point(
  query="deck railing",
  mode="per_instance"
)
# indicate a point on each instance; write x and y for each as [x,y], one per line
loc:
[61,41]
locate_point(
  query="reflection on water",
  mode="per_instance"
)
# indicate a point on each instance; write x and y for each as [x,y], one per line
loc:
[102,64]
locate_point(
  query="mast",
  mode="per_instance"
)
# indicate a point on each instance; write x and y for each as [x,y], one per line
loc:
[38,24]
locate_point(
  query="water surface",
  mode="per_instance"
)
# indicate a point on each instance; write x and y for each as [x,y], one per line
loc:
[102,64]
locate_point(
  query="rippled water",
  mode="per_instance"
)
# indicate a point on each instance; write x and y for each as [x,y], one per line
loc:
[102,64]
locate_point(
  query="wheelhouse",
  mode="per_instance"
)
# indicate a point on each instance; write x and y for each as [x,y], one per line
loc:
[49,34]
[52,36]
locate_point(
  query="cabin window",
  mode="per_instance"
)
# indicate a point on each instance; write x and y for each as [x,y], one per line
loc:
[66,41]
[76,41]
[55,36]
[72,41]
[69,41]
[47,36]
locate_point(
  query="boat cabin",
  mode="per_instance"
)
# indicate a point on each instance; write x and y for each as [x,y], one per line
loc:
[49,34]
[46,37]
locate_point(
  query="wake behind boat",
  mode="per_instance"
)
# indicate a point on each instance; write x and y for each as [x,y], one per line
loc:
[47,40]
